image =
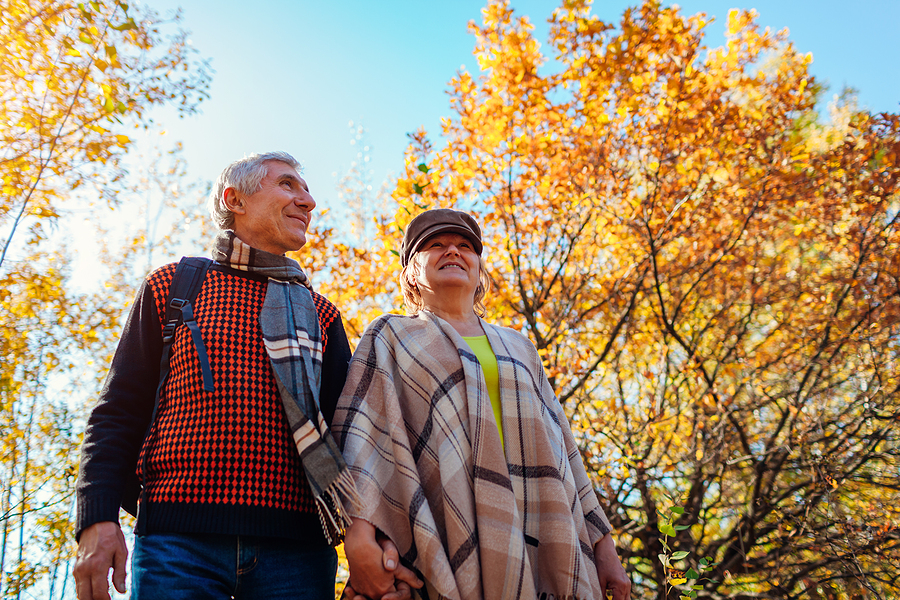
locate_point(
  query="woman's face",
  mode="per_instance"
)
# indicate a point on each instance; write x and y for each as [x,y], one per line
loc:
[444,262]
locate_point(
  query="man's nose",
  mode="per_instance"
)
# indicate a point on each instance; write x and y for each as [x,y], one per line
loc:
[305,200]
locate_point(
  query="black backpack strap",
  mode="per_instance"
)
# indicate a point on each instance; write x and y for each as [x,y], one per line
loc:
[186,284]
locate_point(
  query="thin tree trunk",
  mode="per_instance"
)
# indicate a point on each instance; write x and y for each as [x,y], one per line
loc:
[23,500]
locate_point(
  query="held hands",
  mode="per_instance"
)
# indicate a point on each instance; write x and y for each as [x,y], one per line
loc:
[375,569]
[100,547]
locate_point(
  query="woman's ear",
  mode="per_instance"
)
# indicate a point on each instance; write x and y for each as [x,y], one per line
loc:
[412,272]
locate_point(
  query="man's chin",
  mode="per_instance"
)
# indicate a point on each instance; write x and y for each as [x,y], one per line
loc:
[298,244]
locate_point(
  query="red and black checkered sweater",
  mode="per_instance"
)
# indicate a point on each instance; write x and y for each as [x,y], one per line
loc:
[221,462]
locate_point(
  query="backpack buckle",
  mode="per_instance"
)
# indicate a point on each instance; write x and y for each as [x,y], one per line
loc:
[169,331]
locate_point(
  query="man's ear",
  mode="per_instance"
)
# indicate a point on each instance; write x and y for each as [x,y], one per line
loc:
[232,202]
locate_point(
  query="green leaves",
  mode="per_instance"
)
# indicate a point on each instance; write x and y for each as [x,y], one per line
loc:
[667,529]
[675,577]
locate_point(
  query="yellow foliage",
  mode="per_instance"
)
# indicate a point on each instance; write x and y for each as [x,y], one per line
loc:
[707,270]
[59,113]
[61,122]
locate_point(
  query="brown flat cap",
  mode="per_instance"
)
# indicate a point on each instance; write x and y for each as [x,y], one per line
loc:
[439,220]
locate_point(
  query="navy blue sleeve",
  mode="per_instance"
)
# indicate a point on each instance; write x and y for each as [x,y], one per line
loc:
[117,425]
[335,362]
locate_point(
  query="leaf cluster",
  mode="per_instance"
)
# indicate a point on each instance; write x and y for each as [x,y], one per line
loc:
[72,77]
[709,270]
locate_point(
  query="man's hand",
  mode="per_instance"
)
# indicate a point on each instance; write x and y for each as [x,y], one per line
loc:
[403,592]
[100,547]
[369,575]
[614,581]
[375,568]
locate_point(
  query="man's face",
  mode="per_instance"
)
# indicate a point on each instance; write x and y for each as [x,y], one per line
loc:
[275,218]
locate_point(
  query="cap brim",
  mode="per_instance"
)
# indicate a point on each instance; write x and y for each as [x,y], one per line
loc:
[444,228]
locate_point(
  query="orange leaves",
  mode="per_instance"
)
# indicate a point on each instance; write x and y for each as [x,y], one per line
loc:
[707,267]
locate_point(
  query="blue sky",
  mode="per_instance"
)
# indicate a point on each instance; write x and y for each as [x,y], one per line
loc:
[291,75]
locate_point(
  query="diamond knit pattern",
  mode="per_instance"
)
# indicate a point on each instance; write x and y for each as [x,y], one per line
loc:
[232,446]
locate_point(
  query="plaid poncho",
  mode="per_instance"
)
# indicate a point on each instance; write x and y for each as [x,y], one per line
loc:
[416,428]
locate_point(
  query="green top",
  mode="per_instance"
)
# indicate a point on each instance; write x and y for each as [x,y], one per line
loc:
[485,354]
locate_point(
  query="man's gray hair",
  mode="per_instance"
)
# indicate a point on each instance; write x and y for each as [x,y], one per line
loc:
[244,175]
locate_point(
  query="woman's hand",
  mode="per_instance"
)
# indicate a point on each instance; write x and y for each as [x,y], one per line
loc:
[375,569]
[614,580]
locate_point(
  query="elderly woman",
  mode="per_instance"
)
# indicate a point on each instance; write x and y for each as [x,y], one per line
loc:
[459,448]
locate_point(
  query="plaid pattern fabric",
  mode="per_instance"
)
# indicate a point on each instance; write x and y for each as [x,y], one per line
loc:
[292,336]
[416,427]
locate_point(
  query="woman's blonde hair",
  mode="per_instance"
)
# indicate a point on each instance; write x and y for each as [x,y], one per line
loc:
[412,298]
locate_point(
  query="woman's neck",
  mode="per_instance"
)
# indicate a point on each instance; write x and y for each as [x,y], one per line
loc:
[464,321]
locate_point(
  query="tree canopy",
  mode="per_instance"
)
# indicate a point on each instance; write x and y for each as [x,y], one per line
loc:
[707,260]
[75,78]
[708,267]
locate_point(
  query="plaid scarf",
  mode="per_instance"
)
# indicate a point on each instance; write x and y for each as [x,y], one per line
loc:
[416,428]
[293,340]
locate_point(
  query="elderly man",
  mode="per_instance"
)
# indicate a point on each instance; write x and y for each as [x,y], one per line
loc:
[241,482]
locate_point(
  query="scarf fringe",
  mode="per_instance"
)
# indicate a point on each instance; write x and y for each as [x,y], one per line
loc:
[331,505]
[287,312]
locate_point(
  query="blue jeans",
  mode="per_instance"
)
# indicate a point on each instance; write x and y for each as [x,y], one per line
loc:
[218,567]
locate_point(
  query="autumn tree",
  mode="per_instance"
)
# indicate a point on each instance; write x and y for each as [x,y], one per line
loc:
[710,270]
[347,240]
[161,217]
[74,80]
[73,76]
